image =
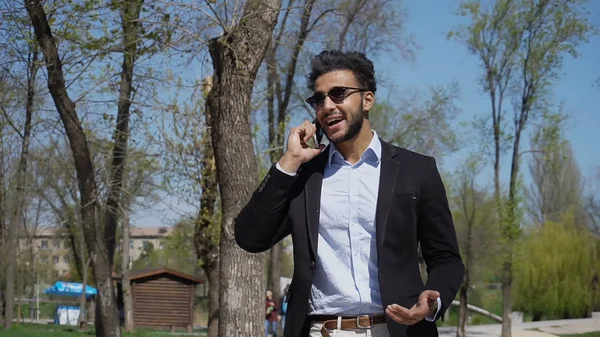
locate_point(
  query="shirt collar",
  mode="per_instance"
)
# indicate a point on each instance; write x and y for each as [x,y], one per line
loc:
[372,153]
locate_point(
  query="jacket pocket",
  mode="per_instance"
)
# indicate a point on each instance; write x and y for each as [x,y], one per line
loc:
[406,196]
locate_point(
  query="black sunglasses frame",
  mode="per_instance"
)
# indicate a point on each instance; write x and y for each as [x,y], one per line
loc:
[317,99]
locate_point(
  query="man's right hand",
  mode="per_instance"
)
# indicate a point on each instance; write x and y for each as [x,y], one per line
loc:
[298,152]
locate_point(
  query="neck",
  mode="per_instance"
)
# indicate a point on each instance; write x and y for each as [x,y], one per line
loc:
[352,149]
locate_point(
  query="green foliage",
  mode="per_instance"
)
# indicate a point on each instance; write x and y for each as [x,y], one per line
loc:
[553,270]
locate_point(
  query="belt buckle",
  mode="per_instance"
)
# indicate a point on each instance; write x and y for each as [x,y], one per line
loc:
[366,326]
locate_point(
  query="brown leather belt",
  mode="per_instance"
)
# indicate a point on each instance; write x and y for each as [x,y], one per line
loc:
[348,323]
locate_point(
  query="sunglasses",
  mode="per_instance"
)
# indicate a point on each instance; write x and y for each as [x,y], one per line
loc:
[336,94]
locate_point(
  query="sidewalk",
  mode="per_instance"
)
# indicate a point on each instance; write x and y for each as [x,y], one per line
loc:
[531,329]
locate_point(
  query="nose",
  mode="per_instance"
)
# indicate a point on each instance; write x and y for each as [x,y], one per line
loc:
[328,104]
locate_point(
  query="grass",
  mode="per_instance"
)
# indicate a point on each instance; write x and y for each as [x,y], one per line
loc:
[589,334]
[52,330]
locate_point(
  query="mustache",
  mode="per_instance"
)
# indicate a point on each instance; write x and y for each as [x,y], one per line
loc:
[333,114]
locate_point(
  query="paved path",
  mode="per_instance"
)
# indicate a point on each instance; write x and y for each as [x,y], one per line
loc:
[531,329]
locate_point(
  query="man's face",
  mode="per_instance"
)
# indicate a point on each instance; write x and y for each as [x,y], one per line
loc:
[341,118]
[269,294]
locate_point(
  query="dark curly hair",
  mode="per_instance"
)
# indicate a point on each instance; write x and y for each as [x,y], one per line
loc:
[332,60]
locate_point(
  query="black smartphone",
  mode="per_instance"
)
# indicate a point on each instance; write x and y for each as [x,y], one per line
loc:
[318,136]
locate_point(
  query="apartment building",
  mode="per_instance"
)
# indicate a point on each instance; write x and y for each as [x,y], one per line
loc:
[143,237]
[50,245]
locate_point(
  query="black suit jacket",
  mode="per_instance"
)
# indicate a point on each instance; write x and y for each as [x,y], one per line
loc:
[412,207]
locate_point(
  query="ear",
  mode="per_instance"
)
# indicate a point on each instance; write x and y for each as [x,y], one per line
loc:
[368,101]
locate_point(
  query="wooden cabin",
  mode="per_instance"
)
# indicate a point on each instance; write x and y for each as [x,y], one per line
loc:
[163,298]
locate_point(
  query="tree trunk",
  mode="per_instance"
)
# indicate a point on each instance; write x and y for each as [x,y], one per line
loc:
[463,312]
[275,127]
[107,318]
[19,296]
[81,321]
[125,267]
[76,239]
[274,270]
[130,14]
[213,299]
[506,297]
[205,240]
[80,260]
[2,219]
[2,305]
[2,224]
[15,221]
[512,228]
[236,57]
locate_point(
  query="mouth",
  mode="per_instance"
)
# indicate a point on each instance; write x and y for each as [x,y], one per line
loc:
[333,120]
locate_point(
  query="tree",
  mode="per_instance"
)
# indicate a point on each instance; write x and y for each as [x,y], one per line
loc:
[520,45]
[17,207]
[191,176]
[100,251]
[557,186]
[276,116]
[476,227]
[236,56]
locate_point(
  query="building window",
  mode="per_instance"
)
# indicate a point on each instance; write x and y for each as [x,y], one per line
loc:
[66,259]
[56,244]
[55,259]
[146,245]
[44,244]
[44,259]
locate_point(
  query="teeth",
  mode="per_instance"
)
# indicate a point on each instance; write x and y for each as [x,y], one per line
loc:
[331,121]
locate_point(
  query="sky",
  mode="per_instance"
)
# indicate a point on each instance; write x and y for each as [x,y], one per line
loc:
[439,61]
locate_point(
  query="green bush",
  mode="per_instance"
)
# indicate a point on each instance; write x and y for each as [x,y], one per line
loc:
[553,272]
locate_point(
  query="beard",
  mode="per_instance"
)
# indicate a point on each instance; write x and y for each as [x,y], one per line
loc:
[355,123]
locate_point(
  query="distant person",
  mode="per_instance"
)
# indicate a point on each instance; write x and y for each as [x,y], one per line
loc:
[271,315]
[357,211]
[283,306]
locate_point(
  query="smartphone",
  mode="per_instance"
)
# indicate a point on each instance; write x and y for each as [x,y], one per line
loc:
[317,139]
[318,136]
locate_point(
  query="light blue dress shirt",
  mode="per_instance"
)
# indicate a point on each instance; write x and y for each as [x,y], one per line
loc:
[345,279]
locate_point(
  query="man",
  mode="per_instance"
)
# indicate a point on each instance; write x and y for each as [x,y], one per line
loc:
[271,315]
[357,211]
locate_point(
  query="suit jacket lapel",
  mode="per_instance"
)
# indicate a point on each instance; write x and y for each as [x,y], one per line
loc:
[312,198]
[387,183]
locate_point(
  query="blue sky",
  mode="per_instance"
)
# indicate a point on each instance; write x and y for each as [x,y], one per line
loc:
[440,61]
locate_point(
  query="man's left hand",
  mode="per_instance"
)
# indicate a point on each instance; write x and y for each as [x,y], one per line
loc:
[425,306]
